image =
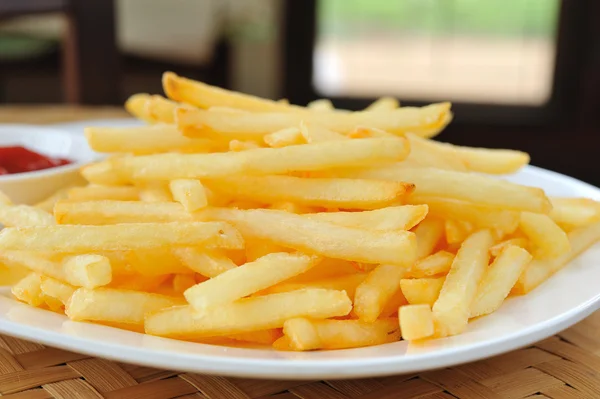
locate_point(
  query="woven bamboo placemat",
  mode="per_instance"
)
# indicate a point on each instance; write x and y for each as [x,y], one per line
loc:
[566,366]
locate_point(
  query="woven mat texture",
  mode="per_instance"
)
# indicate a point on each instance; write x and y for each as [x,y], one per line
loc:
[566,366]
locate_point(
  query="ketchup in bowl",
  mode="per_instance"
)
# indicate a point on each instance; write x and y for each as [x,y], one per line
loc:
[19,159]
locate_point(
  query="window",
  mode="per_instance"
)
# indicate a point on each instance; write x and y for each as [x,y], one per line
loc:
[499,52]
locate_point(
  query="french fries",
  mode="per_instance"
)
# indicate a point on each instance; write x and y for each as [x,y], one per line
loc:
[374,293]
[247,279]
[88,270]
[418,291]
[461,186]
[68,238]
[116,212]
[233,219]
[144,140]
[416,322]
[452,308]
[539,270]
[95,192]
[114,305]
[321,238]
[575,211]
[547,238]
[307,157]
[436,263]
[24,215]
[498,280]
[425,121]
[389,218]
[304,334]
[340,193]
[249,314]
[189,193]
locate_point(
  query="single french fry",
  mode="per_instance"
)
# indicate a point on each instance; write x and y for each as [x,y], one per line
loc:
[501,246]
[80,270]
[305,334]
[24,215]
[479,189]
[374,293]
[57,289]
[325,192]
[156,262]
[575,211]
[316,134]
[208,263]
[347,283]
[53,304]
[419,291]
[102,174]
[249,314]
[403,217]
[539,271]
[284,137]
[484,160]
[547,239]
[95,192]
[321,104]
[383,104]
[28,290]
[136,106]
[481,216]
[498,280]
[321,238]
[391,307]
[144,140]
[154,191]
[290,207]
[416,322]
[72,238]
[452,308]
[247,279]
[205,96]
[89,270]
[116,212]
[160,109]
[425,121]
[457,230]
[263,160]
[243,145]
[189,193]
[425,154]
[182,282]
[436,263]
[115,305]
[428,233]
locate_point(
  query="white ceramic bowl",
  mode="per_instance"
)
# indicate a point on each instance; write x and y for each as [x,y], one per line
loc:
[31,187]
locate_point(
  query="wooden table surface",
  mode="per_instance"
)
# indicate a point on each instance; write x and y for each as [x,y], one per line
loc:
[562,367]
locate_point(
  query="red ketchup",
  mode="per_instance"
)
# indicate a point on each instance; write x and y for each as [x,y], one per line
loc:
[19,160]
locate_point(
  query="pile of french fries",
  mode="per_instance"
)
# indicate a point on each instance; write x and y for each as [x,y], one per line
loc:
[231,219]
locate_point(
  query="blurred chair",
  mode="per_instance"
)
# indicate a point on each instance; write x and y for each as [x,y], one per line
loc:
[104,41]
[90,57]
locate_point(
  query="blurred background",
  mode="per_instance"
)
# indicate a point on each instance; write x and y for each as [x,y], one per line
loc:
[522,74]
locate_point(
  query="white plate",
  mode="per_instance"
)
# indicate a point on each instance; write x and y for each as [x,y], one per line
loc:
[562,301]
